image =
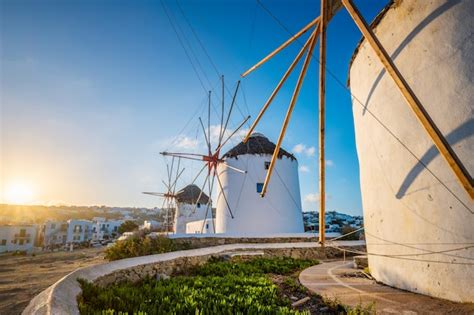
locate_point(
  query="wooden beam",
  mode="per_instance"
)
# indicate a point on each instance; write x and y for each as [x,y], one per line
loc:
[281,47]
[280,84]
[322,122]
[420,112]
[288,114]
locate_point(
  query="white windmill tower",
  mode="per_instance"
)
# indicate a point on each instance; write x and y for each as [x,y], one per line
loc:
[193,205]
[213,158]
[280,210]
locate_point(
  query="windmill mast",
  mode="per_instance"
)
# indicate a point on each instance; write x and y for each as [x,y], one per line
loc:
[322,122]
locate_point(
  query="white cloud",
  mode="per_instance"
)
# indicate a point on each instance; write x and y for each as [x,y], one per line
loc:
[303,149]
[299,148]
[310,151]
[237,137]
[311,198]
[329,162]
[185,142]
[304,169]
[314,198]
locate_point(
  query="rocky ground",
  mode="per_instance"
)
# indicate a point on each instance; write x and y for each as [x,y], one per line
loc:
[23,277]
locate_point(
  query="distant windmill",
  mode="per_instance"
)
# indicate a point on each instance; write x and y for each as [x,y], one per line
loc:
[169,197]
[213,157]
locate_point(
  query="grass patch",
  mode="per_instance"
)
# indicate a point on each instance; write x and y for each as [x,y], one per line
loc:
[218,287]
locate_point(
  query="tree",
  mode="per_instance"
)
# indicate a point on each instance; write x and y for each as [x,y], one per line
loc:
[127,226]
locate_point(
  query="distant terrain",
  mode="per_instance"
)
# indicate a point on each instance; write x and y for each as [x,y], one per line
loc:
[38,214]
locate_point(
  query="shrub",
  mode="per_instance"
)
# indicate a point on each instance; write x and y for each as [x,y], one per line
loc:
[141,246]
[127,226]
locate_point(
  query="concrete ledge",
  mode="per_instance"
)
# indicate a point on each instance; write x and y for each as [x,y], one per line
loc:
[61,297]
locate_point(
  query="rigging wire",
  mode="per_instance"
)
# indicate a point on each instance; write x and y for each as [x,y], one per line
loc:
[426,251]
[339,82]
[197,38]
[182,45]
[399,257]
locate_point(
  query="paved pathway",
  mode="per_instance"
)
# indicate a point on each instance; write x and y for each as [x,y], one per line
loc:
[334,280]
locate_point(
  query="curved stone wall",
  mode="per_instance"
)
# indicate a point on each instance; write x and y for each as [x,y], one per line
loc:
[61,297]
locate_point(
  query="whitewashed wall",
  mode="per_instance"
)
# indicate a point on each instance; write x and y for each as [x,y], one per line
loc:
[432,43]
[200,227]
[278,212]
[186,213]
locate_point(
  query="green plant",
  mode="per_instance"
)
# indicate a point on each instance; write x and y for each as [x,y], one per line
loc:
[360,309]
[127,226]
[218,287]
[278,265]
[141,246]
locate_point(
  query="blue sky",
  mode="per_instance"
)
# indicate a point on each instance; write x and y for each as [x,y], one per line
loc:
[91,91]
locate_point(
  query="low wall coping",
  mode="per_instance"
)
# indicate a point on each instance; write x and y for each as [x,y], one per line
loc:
[61,297]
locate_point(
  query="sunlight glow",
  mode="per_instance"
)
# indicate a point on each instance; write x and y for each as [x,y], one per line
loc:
[18,193]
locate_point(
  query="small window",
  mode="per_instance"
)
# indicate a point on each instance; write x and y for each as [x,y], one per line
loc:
[259,187]
[53,226]
[207,225]
[4,242]
[199,205]
[267,165]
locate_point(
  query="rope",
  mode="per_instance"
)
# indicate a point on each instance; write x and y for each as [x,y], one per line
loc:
[401,257]
[426,251]
[342,236]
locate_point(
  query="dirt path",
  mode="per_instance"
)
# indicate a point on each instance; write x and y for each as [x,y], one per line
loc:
[22,277]
[340,280]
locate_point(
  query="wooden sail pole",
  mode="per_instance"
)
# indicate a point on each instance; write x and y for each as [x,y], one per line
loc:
[415,104]
[280,84]
[282,46]
[322,122]
[289,112]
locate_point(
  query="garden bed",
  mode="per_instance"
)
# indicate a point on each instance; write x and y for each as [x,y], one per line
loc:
[221,286]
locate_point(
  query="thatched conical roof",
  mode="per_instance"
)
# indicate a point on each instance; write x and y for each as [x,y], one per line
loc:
[257,144]
[190,194]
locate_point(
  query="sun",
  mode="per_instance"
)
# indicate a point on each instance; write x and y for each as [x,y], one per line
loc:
[18,193]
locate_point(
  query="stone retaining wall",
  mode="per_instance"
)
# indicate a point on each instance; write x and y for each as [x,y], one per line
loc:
[61,297]
[180,264]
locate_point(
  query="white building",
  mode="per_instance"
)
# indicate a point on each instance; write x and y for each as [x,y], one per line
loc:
[150,225]
[189,208]
[201,226]
[79,231]
[54,233]
[105,229]
[279,211]
[17,238]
